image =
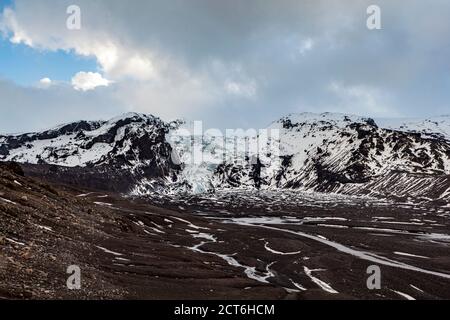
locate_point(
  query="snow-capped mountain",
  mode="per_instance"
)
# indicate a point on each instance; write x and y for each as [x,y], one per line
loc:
[350,154]
[132,144]
[343,149]
[329,152]
[435,127]
[321,152]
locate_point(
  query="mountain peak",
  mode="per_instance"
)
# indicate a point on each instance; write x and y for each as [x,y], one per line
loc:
[132,115]
[313,151]
[339,120]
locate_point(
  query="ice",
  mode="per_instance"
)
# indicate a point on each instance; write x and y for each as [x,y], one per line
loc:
[364,255]
[266,246]
[416,288]
[249,271]
[84,194]
[15,242]
[7,201]
[436,237]
[103,204]
[409,255]
[122,259]
[323,285]
[109,251]
[404,295]
[190,225]
[332,226]
[303,139]
[44,227]
[285,220]
[206,236]
[298,286]
[427,127]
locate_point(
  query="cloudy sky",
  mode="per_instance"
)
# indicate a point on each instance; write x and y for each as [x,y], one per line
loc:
[234,63]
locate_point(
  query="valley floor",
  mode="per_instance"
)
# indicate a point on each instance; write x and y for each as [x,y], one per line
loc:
[232,245]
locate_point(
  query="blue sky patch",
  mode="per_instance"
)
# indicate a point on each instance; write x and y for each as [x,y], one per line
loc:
[26,66]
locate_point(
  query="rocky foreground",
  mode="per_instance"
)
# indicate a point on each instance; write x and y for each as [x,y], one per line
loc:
[125,249]
[231,245]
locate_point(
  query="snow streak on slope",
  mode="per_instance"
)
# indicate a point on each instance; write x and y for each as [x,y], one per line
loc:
[207,157]
[435,127]
[130,142]
[322,152]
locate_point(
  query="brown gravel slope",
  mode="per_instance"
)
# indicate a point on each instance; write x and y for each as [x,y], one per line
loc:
[121,252]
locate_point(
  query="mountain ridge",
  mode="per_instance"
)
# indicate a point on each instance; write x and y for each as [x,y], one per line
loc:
[328,152]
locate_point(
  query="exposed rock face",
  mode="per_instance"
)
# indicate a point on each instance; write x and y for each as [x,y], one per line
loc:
[333,152]
[321,152]
[111,155]
[227,227]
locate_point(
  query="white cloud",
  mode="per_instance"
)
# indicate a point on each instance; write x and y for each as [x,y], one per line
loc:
[241,88]
[217,57]
[306,45]
[361,99]
[9,23]
[35,28]
[45,82]
[85,81]
[32,108]
[136,66]
[116,60]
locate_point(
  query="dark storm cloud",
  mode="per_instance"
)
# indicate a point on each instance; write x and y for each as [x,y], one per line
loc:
[258,59]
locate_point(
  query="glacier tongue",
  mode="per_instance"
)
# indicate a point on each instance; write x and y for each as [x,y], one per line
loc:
[321,152]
